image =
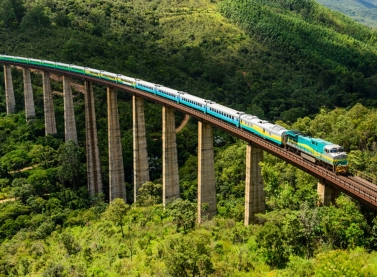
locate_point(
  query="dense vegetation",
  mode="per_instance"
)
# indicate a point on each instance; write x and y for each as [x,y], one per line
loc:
[288,60]
[361,11]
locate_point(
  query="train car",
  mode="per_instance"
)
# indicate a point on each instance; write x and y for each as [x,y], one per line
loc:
[224,113]
[147,86]
[35,61]
[316,150]
[125,80]
[109,76]
[168,93]
[49,64]
[20,59]
[77,69]
[62,66]
[262,128]
[7,58]
[92,72]
[192,101]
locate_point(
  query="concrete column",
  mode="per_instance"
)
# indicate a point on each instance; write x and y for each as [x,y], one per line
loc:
[141,166]
[50,124]
[28,93]
[69,112]
[116,170]
[170,176]
[206,171]
[254,193]
[327,194]
[9,92]
[93,165]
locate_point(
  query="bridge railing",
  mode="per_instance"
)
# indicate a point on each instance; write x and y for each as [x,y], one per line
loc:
[369,177]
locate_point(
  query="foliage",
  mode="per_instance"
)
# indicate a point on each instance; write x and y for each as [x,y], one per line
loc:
[283,60]
[149,194]
[188,255]
[70,158]
[116,212]
[183,213]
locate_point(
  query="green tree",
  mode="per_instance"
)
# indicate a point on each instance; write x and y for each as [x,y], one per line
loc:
[43,156]
[183,213]
[149,194]
[188,255]
[116,212]
[15,160]
[343,226]
[271,245]
[69,243]
[35,18]
[7,14]
[71,168]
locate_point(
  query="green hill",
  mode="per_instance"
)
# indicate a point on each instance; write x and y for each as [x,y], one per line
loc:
[269,58]
[363,11]
[277,59]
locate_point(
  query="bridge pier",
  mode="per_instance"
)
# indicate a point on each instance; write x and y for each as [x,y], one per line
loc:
[206,171]
[141,166]
[93,165]
[116,170]
[49,113]
[9,92]
[170,176]
[254,193]
[327,194]
[69,112]
[28,94]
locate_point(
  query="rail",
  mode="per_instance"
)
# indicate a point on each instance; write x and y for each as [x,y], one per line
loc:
[359,190]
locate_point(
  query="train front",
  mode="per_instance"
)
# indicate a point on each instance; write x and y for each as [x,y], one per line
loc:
[339,157]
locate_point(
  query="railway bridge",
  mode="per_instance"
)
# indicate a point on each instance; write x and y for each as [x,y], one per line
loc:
[329,184]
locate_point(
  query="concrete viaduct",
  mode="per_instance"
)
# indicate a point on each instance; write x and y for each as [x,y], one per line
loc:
[329,184]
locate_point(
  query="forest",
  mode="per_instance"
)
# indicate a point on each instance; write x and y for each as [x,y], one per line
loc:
[293,62]
[364,12]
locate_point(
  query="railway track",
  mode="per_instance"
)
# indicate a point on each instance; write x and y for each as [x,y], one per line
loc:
[356,187]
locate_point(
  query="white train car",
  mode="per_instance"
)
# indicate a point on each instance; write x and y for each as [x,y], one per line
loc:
[224,113]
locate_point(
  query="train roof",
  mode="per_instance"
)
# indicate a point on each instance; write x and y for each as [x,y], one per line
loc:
[297,133]
[193,97]
[145,83]
[307,137]
[166,89]
[224,109]
[248,117]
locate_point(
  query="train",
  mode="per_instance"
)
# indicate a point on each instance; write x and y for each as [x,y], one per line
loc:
[318,151]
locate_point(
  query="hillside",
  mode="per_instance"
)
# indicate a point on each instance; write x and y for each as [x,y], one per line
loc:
[296,61]
[287,61]
[364,12]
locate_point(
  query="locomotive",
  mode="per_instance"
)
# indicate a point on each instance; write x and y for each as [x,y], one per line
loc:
[316,150]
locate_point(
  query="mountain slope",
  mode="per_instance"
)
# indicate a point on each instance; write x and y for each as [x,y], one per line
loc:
[279,60]
[363,11]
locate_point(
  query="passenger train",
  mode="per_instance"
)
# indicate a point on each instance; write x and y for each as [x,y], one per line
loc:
[318,151]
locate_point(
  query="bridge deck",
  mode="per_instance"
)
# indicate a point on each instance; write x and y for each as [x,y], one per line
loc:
[356,187]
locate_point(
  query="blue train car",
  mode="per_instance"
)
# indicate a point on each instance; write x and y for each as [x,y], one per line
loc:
[224,113]
[147,86]
[168,93]
[192,101]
